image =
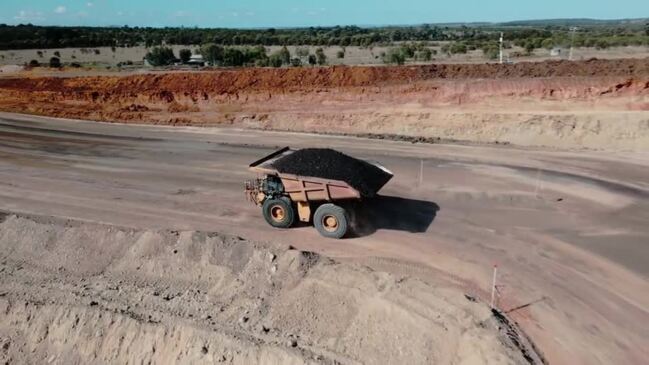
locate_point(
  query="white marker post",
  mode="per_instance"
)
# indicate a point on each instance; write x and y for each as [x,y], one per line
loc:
[493,287]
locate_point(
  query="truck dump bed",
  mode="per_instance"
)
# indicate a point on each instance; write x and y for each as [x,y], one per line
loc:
[323,174]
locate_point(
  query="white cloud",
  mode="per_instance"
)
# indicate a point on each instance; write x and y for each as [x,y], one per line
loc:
[120,13]
[90,5]
[29,16]
[235,14]
[60,9]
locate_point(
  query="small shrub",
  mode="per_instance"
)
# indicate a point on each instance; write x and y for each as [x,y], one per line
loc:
[34,63]
[55,62]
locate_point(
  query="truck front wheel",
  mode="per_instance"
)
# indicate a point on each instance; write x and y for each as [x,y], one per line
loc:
[279,212]
[331,221]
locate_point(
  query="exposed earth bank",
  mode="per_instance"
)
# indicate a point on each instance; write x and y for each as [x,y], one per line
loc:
[74,292]
[601,104]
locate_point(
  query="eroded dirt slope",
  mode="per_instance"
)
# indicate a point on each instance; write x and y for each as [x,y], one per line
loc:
[600,104]
[74,292]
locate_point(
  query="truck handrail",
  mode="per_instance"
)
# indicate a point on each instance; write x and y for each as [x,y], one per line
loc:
[269,157]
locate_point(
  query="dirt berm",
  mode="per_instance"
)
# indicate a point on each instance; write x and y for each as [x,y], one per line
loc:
[74,292]
[600,104]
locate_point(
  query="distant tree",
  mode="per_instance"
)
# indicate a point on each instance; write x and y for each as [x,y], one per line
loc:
[296,62]
[233,57]
[285,55]
[312,60]
[394,56]
[320,56]
[212,53]
[160,56]
[112,48]
[57,53]
[34,63]
[185,54]
[97,51]
[491,52]
[340,54]
[457,47]
[40,54]
[529,48]
[275,60]
[55,62]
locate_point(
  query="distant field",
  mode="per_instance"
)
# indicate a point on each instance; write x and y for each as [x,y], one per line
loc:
[107,57]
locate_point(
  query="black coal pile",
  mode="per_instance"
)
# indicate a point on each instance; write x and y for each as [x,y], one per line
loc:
[330,164]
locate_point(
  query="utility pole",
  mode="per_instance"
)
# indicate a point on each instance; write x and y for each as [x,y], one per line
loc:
[573,30]
[501,47]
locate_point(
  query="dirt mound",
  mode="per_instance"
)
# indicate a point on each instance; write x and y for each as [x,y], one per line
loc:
[330,164]
[77,292]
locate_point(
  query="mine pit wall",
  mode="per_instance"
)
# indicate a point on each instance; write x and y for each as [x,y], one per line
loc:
[592,104]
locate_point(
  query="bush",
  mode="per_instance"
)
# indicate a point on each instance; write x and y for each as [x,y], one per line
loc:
[160,56]
[97,51]
[285,55]
[321,58]
[34,63]
[57,53]
[425,55]
[458,48]
[296,62]
[312,60]
[394,56]
[340,54]
[185,54]
[275,60]
[55,62]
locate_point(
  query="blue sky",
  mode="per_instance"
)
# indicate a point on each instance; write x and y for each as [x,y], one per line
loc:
[288,13]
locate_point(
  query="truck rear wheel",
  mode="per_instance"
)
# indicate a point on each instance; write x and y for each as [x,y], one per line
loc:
[279,212]
[331,220]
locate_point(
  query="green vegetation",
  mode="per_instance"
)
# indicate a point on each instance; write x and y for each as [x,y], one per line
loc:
[321,58]
[160,56]
[247,47]
[185,54]
[55,62]
[593,33]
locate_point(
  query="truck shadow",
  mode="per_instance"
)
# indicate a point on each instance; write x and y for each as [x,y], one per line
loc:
[392,213]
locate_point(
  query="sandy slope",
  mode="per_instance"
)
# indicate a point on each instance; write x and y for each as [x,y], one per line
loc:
[73,292]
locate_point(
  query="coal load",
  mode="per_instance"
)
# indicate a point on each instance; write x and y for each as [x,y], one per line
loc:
[330,164]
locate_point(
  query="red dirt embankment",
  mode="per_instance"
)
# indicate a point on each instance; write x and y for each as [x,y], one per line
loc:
[287,79]
[524,103]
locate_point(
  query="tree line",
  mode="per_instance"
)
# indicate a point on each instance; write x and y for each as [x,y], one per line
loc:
[235,56]
[29,36]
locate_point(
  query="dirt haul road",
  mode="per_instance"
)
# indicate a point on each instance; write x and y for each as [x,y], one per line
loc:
[568,231]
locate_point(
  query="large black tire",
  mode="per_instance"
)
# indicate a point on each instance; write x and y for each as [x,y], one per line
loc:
[331,221]
[279,213]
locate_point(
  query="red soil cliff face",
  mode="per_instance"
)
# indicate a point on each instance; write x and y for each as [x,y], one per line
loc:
[344,99]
